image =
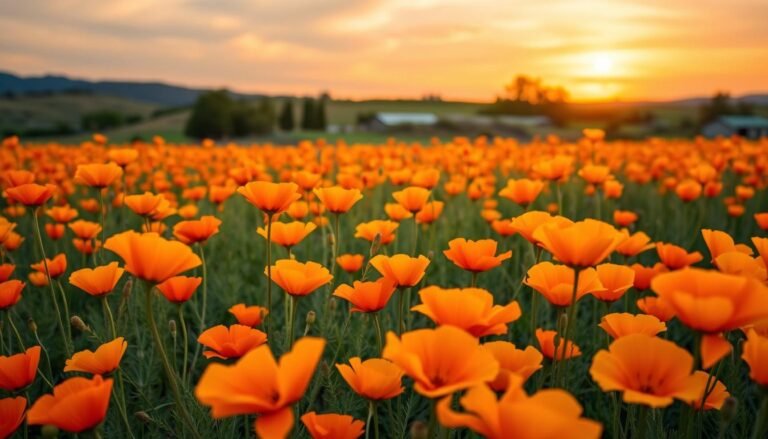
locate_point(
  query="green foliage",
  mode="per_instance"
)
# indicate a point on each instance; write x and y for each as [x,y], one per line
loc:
[216,115]
[285,121]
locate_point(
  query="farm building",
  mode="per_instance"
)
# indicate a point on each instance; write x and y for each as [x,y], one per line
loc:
[385,121]
[749,127]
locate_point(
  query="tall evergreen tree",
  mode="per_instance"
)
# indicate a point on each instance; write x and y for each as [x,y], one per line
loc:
[285,121]
[321,120]
[308,114]
[211,116]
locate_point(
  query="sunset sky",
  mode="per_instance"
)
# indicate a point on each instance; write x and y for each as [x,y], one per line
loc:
[460,49]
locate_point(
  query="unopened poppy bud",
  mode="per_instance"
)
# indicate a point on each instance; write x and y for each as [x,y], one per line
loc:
[562,323]
[143,417]
[431,255]
[172,327]
[311,317]
[49,431]
[729,409]
[419,430]
[331,240]
[79,324]
[32,325]
[375,245]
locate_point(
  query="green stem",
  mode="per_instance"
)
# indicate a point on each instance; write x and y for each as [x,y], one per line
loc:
[761,420]
[103,219]
[569,323]
[205,288]
[415,236]
[47,360]
[432,420]
[400,294]
[373,414]
[269,275]
[379,338]
[169,373]
[292,321]
[185,344]
[62,328]
[65,302]
[15,331]
[108,316]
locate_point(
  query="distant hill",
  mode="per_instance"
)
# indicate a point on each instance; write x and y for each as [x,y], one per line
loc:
[155,93]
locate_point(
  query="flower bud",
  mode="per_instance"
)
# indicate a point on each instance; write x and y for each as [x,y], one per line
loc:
[143,417]
[172,327]
[79,324]
[49,431]
[31,325]
[419,430]
[311,317]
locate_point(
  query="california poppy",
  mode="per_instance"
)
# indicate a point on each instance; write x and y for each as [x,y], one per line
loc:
[383,229]
[435,370]
[711,303]
[755,354]
[430,212]
[31,194]
[194,231]
[257,384]
[470,309]
[6,270]
[555,282]
[62,214]
[513,361]
[624,218]
[270,198]
[56,266]
[17,177]
[644,275]
[150,257]
[297,278]
[742,264]
[230,342]
[351,263]
[675,257]
[367,296]
[18,371]
[475,256]
[123,156]
[10,293]
[374,379]
[401,269]
[522,191]
[412,198]
[623,324]
[76,405]
[546,340]
[519,415]
[248,315]
[105,359]
[657,307]
[98,175]
[11,415]
[288,234]
[332,426]
[581,244]
[396,212]
[179,289]
[337,199]
[55,231]
[652,380]
[85,229]
[595,174]
[634,244]
[615,279]
[97,281]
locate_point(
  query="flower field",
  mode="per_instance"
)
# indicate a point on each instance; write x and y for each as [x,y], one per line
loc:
[471,288]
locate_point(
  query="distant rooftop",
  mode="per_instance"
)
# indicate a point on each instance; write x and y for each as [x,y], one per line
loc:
[407,118]
[744,121]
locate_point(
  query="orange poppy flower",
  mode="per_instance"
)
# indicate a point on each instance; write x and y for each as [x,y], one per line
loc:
[761,244]
[270,198]
[62,214]
[688,190]
[306,180]
[623,324]
[741,264]
[179,289]
[412,198]
[435,370]
[652,380]
[711,303]
[288,234]
[10,293]
[351,263]
[657,307]
[546,340]
[374,379]
[634,244]
[717,393]
[762,220]
[105,359]
[720,242]
[430,212]
[675,257]
[145,204]
[97,281]
[337,199]
[19,371]
[513,361]
[56,266]
[98,175]
[257,384]
[644,275]
[76,405]
[31,194]
[503,227]
[519,415]
[384,229]
[17,177]
[299,279]
[522,191]
[595,174]
[556,168]
[470,309]
[38,279]
[426,178]
[194,231]
[6,270]
[755,353]
[615,279]
[475,256]
[150,257]
[6,228]
[86,246]
[85,229]
[232,342]
[123,156]
[367,296]
[13,241]
[11,415]
[555,282]
[581,244]
[248,315]
[298,210]
[529,222]
[396,212]
[55,231]
[401,269]
[624,218]
[332,426]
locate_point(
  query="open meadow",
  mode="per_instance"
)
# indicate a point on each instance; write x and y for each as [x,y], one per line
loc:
[453,289]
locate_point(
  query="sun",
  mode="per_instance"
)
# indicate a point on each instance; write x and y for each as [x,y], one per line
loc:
[602,64]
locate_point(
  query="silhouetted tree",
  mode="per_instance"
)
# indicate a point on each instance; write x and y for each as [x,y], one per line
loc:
[308,114]
[211,116]
[285,121]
